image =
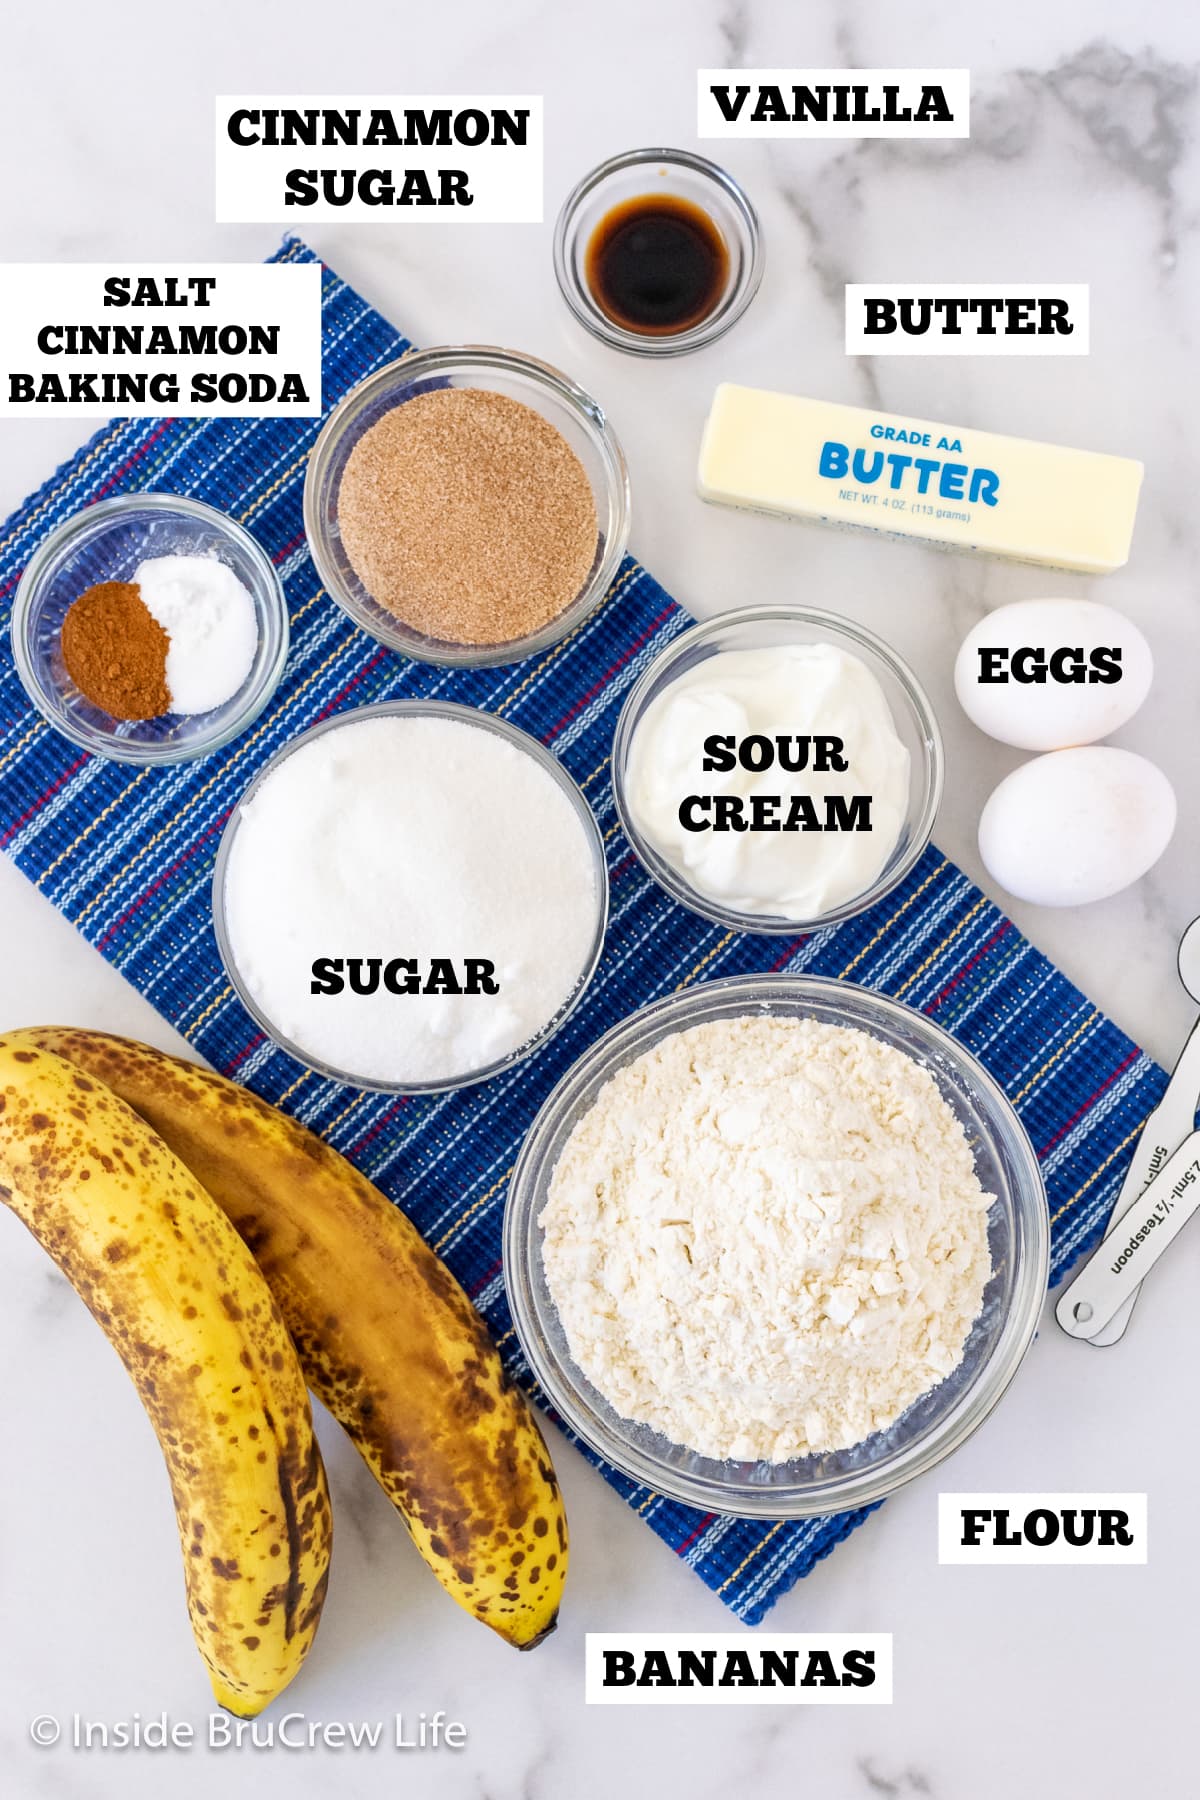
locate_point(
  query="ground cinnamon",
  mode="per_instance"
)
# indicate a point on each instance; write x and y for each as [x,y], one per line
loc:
[116,651]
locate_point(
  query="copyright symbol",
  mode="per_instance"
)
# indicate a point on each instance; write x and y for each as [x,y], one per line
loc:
[45,1730]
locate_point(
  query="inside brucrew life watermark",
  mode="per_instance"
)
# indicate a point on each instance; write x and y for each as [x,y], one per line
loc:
[220,1731]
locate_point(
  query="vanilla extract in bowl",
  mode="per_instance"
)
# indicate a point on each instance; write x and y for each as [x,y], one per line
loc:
[657,252]
[657,264]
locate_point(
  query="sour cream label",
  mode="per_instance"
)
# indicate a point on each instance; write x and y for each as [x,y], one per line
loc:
[824,754]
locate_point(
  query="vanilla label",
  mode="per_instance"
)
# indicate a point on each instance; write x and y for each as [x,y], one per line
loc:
[833,103]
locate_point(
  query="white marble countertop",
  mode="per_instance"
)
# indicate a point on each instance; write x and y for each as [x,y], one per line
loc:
[1082,166]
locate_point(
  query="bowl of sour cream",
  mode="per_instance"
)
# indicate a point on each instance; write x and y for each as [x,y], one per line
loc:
[777,769]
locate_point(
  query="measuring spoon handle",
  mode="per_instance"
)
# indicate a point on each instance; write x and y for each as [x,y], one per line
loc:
[1171,1120]
[1124,1259]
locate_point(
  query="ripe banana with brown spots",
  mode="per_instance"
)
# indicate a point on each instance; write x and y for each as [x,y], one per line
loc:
[186,1308]
[385,1335]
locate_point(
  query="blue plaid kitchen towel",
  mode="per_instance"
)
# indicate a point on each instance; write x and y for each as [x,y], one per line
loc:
[127,856]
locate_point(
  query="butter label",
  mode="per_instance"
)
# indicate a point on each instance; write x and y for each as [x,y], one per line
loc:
[964,318]
[917,475]
[833,103]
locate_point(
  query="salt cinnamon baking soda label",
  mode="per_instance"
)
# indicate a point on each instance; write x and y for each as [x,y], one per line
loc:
[194,340]
[379,159]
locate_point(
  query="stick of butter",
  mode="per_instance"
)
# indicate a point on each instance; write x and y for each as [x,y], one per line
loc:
[974,490]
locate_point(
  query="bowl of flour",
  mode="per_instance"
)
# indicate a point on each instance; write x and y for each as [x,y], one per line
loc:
[776,1246]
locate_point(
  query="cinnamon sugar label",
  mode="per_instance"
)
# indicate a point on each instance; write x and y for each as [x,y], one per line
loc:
[379,159]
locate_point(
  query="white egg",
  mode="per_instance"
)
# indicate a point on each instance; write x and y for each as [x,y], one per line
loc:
[1076,825]
[1046,674]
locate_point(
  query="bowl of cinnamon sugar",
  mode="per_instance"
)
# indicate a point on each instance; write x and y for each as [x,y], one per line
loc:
[150,628]
[467,506]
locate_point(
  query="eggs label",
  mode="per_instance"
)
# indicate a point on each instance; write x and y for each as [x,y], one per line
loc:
[1052,674]
[795,752]
[998,663]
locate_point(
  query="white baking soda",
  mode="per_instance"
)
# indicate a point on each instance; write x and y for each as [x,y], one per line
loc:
[209,617]
[418,846]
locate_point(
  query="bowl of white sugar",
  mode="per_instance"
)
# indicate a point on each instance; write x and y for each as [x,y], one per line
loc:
[411,896]
[776,1246]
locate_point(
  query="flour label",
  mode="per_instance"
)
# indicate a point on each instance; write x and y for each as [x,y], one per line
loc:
[1041,1528]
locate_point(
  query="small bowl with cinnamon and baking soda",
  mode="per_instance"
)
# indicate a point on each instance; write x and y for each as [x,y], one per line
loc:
[150,628]
[467,506]
[658,252]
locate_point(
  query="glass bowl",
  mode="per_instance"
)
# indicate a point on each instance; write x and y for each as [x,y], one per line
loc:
[759,628]
[935,1424]
[649,172]
[407,709]
[579,419]
[106,542]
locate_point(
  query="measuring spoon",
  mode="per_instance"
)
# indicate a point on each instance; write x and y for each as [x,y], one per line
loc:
[1170,1122]
[1125,1258]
